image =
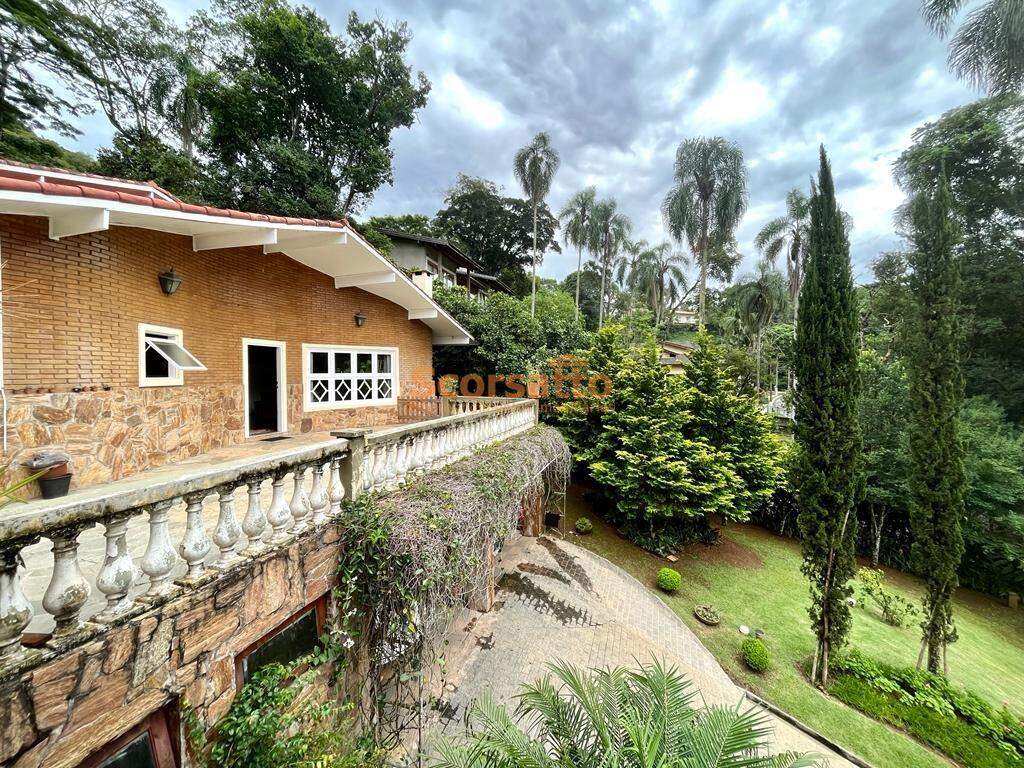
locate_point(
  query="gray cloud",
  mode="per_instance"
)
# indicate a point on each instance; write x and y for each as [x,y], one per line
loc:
[618,85]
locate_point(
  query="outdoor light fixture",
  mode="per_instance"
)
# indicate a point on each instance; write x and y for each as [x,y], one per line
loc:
[169,281]
[360,319]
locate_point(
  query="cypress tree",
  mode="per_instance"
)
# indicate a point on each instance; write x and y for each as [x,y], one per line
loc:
[826,422]
[937,482]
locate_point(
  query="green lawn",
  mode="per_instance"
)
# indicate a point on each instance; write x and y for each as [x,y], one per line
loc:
[753,577]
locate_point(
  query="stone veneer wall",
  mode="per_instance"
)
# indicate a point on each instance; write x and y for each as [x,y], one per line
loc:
[57,713]
[114,434]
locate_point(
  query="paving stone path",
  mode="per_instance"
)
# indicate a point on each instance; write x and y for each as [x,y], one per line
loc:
[557,601]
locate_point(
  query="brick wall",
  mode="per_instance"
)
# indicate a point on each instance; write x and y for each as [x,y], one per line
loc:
[71,314]
[58,712]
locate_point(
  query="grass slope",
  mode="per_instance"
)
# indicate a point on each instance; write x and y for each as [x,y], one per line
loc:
[753,577]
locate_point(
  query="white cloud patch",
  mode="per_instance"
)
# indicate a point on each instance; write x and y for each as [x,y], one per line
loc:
[470,104]
[737,99]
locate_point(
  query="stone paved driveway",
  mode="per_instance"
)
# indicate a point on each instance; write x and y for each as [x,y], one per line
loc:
[557,601]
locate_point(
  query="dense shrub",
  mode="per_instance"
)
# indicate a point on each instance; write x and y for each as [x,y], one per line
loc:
[584,526]
[669,580]
[755,654]
[953,720]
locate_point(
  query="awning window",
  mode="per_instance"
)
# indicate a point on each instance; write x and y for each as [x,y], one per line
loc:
[175,354]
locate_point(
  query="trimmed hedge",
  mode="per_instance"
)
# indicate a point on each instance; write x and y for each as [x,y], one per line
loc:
[669,580]
[584,526]
[755,654]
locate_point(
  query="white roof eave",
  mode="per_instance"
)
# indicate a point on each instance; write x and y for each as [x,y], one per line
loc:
[343,254]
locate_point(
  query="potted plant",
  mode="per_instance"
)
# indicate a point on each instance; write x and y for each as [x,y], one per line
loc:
[53,474]
[707,614]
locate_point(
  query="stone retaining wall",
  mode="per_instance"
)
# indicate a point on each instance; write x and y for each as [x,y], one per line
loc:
[65,706]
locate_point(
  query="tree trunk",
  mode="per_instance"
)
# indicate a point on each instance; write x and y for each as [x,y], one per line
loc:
[877,527]
[702,291]
[579,266]
[533,285]
[604,271]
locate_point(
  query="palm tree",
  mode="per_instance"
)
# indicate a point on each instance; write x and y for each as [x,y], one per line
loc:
[613,717]
[706,202]
[988,48]
[657,272]
[788,233]
[575,220]
[534,167]
[758,301]
[609,232]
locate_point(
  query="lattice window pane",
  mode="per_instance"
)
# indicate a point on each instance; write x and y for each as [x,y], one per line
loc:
[383,363]
[364,362]
[343,389]
[384,389]
[364,389]
[318,391]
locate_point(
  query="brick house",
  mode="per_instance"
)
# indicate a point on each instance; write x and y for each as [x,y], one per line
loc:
[194,363]
[275,325]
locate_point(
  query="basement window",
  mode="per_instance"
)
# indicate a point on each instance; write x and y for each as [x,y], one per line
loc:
[147,745]
[163,358]
[297,636]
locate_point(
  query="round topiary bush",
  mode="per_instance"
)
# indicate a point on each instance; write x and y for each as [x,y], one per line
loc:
[584,526]
[755,654]
[669,580]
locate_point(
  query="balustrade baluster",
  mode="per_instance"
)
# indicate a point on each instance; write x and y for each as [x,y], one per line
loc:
[318,499]
[368,468]
[392,464]
[401,461]
[15,609]
[158,561]
[278,515]
[117,574]
[380,466]
[337,494]
[195,544]
[227,532]
[68,589]
[255,521]
[300,505]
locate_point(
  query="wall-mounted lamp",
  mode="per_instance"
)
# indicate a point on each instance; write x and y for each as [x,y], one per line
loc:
[169,281]
[360,319]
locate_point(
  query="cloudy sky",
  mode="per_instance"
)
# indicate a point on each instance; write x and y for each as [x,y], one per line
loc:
[618,85]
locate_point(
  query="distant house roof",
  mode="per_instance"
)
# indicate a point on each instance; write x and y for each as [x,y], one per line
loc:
[676,352]
[78,203]
[452,250]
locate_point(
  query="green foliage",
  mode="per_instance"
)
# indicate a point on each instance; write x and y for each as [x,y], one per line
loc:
[993,525]
[139,155]
[300,118]
[590,293]
[894,607]
[578,719]
[496,230]
[980,149]
[669,580]
[584,526]
[561,326]
[953,720]
[270,726]
[936,392]
[755,654]
[826,421]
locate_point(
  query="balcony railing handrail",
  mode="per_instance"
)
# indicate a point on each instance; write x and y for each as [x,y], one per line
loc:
[357,461]
[95,503]
[494,404]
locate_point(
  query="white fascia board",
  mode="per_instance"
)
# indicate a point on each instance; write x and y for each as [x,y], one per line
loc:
[306,242]
[364,278]
[69,223]
[422,314]
[234,239]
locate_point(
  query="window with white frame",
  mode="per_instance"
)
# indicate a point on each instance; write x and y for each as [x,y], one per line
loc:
[346,377]
[163,358]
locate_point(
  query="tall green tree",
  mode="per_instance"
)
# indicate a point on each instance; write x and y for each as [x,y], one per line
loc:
[936,392]
[980,149]
[575,220]
[826,423]
[707,200]
[41,36]
[987,49]
[534,167]
[495,229]
[658,274]
[609,233]
[760,300]
[300,118]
